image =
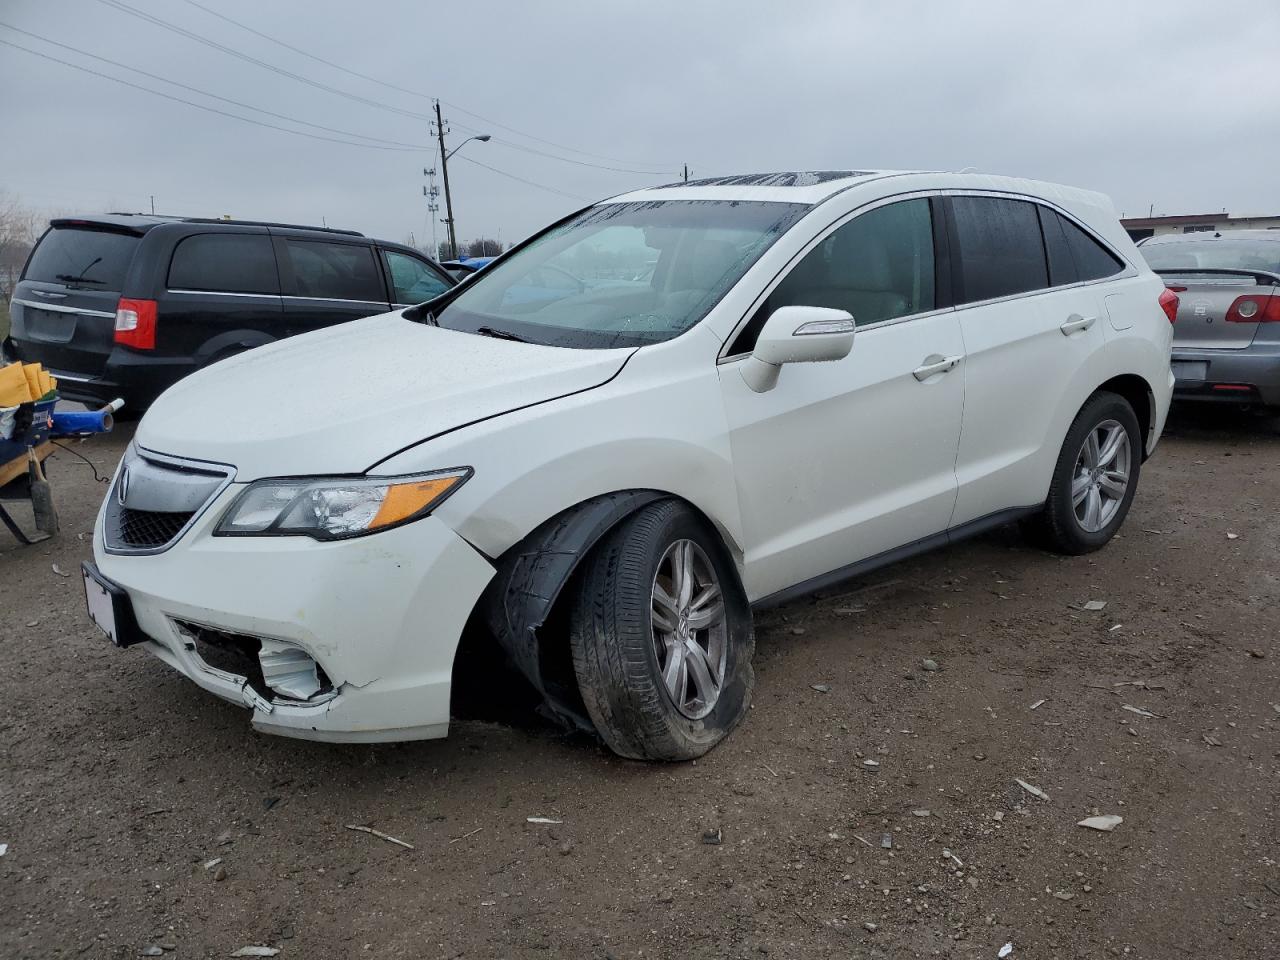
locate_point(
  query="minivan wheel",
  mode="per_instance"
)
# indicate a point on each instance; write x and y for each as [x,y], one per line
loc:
[661,636]
[1095,478]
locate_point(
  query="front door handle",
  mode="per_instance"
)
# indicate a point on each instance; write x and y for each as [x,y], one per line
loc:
[934,364]
[1076,322]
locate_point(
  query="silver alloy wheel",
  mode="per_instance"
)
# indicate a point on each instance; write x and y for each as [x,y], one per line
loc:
[1101,475]
[690,634]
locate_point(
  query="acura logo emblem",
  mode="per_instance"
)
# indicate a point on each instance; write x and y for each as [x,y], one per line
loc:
[122,486]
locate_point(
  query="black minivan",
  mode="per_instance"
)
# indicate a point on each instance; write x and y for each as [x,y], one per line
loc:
[125,305]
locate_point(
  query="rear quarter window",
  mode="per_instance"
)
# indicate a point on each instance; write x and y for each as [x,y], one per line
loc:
[225,263]
[1093,260]
[79,257]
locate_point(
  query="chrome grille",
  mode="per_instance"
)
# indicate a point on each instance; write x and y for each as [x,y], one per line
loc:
[155,498]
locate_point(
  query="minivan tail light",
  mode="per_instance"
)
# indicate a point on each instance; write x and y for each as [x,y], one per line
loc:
[1169,304]
[1254,308]
[136,323]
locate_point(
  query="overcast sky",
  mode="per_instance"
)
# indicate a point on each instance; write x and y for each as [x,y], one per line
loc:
[1170,103]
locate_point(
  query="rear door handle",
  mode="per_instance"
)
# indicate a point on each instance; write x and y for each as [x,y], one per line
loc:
[1076,322]
[934,364]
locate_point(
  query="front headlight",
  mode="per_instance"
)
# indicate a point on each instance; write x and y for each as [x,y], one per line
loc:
[332,508]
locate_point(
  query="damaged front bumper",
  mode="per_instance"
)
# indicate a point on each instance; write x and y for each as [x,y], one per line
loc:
[344,641]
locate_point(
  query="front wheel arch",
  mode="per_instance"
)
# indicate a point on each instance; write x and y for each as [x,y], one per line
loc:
[523,608]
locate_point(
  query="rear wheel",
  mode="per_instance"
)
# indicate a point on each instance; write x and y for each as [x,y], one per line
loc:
[661,637]
[1095,478]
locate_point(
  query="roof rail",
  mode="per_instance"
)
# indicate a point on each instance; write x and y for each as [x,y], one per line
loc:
[272,223]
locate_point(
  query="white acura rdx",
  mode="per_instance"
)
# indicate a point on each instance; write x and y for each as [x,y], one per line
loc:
[610,445]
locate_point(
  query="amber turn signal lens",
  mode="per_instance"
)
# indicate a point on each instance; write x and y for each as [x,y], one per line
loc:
[405,500]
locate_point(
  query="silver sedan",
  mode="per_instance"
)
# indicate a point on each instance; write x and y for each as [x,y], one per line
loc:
[1226,339]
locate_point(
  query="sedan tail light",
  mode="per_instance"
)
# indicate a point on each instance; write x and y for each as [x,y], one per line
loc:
[1255,308]
[1169,304]
[136,324]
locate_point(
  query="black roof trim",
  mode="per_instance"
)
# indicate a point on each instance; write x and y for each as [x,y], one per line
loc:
[272,223]
[142,222]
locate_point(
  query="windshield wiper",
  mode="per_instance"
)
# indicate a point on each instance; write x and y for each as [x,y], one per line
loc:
[67,278]
[500,334]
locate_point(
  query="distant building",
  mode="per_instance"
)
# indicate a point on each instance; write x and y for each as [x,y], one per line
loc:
[1139,228]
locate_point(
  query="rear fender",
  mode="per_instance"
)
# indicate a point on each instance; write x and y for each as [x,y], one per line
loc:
[229,342]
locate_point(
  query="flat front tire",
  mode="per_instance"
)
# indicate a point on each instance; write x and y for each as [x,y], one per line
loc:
[661,636]
[1095,478]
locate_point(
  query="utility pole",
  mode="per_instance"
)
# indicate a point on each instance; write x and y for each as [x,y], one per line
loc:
[686,173]
[448,198]
[153,204]
[432,192]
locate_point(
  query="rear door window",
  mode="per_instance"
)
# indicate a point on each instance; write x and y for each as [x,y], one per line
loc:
[1093,260]
[225,263]
[1000,247]
[84,258]
[333,271]
[412,280]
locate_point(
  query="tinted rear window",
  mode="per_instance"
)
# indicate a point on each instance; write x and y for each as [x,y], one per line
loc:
[225,263]
[1093,260]
[334,271]
[76,257]
[1001,251]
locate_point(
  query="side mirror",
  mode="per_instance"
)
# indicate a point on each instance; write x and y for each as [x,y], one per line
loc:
[797,335]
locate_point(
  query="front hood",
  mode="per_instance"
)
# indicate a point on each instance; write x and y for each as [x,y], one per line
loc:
[341,399]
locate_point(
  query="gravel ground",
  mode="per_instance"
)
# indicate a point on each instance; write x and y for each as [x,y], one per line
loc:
[142,814]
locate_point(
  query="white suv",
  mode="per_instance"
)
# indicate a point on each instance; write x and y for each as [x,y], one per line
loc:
[607,448]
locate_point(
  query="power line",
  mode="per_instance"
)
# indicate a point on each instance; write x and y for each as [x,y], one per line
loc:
[580,163]
[412,93]
[529,136]
[299,50]
[272,126]
[199,106]
[206,93]
[191,35]
[512,176]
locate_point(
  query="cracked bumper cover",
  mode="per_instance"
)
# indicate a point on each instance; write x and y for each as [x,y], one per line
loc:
[381,614]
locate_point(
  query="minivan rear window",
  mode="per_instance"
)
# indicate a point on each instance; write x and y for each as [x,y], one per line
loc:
[81,257]
[225,263]
[333,271]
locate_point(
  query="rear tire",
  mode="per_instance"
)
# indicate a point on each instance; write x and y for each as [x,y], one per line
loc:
[661,636]
[1095,478]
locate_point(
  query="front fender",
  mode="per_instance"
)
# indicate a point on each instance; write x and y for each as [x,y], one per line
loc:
[529,579]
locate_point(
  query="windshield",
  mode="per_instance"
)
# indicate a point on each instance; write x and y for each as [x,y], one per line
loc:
[92,259]
[1214,254]
[618,275]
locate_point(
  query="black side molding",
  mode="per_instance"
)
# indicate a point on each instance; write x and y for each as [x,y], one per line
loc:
[956,534]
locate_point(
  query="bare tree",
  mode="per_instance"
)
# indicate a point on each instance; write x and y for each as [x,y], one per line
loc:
[19,229]
[483,247]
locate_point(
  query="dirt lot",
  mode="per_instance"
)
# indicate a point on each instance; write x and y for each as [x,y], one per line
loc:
[121,781]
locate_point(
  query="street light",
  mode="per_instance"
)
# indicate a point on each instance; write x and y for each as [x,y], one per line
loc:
[444,172]
[482,137]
